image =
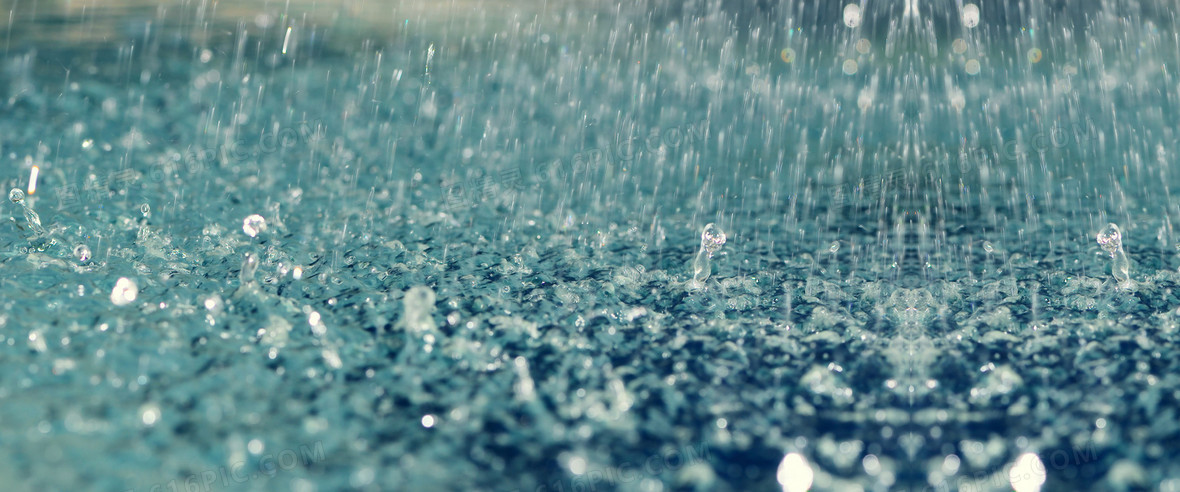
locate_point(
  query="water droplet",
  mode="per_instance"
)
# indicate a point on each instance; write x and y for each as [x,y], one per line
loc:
[970,15]
[418,305]
[214,303]
[850,67]
[794,473]
[17,196]
[988,248]
[82,252]
[1034,55]
[959,46]
[125,292]
[149,414]
[1110,239]
[146,210]
[254,225]
[249,266]
[863,46]
[712,238]
[787,55]
[972,67]
[852,15]
[834,247]
[1027,474]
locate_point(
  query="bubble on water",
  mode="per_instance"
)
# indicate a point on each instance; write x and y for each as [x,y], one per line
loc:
[970,15]
[125,292]
[988,248]
[82,252]
[254,225]
[834,247]
[146,210]
[249,266]
[16,195]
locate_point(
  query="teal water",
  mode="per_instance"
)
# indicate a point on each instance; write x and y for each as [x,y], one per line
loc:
[379,247]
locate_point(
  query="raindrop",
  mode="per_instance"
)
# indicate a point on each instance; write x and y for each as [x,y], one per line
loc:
[82,252]
[1034,55]
[849,67]
[794,473]
[18,197]
[214,303]
[787,55]
[958,100]
[249,266]
[418,305]
[254,225]
[1110,239]
[125,292]
[864,101]
[863,46]
[970,15]
[712,238]
[1027,474]
[149,414]
[852,15]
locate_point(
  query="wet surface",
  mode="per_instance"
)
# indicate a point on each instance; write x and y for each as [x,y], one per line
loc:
[588,247]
